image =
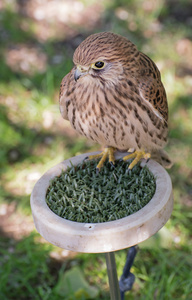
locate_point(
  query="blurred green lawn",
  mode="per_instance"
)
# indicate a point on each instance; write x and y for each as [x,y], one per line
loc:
[38,39]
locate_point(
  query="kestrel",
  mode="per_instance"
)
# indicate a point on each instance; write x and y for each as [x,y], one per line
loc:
[114,96]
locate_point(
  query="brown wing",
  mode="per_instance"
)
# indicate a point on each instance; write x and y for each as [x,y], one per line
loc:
[151,88]
[65,91]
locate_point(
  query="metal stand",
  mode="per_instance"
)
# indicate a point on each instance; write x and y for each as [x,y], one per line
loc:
[112,276]
[118,289]
[127,279]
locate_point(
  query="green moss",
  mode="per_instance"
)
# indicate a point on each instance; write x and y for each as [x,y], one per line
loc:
[80,194]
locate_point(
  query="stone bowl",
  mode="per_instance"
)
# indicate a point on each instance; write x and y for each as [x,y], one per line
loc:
[106,236]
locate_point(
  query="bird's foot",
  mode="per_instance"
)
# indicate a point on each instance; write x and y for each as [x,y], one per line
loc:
[106,153]
[137,155]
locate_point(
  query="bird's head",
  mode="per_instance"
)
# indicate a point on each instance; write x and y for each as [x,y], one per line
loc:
[104,56]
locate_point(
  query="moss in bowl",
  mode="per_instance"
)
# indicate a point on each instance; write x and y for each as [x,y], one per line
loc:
[81,194]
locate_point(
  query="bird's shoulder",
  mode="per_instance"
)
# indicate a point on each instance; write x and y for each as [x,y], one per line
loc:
[66,88]
[66,83]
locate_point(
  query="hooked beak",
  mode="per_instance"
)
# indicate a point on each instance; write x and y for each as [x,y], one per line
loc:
[79,72]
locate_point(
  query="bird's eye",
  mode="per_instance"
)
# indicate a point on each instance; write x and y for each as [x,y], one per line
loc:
[99,65]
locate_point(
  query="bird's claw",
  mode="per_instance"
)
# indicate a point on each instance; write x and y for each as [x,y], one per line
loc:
[97,171]
[137,155]
[112,164]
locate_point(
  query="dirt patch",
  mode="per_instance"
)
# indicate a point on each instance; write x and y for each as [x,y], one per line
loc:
[14,224]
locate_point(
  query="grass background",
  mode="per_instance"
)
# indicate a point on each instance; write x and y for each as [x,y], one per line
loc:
[38,39]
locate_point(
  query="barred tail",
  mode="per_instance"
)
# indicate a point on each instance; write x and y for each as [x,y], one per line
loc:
[162,157]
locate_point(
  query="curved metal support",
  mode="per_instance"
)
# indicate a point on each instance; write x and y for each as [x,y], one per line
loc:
[127,279]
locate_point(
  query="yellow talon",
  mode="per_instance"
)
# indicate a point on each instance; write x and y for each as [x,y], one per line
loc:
[137,155]
[107,152]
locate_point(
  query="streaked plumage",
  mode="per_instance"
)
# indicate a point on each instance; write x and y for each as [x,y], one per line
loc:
[122,105]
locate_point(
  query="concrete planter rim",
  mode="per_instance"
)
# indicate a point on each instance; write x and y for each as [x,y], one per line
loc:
[108,236]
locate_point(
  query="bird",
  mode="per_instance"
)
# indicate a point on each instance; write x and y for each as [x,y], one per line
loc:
[114,96]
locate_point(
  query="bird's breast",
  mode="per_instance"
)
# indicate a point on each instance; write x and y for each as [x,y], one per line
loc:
[112,120]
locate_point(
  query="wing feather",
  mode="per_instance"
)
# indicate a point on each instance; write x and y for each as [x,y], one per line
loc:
[151,88]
